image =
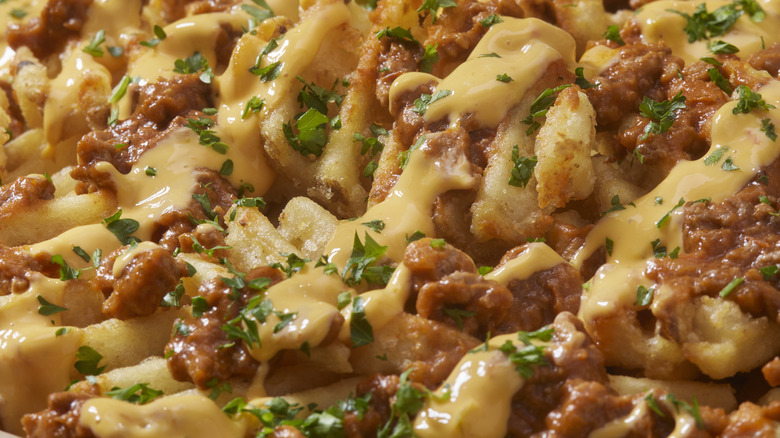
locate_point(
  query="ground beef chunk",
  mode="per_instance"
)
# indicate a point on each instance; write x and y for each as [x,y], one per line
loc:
[16,264]
[176,9]
[724,241]
[24,192]
[61,419]
[200,351]
[686,138]
[142,283]
[430,264]
[160,108]
[396,57]
[771,372]
[767,59]
[623,84]
[540,297]
[465,300]
[753,420]
[60,21]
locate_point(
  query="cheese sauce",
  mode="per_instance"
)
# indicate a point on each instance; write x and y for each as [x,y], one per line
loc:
[519,48]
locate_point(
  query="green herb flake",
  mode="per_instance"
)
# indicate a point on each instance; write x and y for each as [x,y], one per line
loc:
[733,284]
[504,78]
[661,114]
[160,35]
[581,81]
[150,171]
[719,80]
[93,48]
[66,272]
[643,296]
[713,158]
[422,103]
[490,20]
[46,308]
[728,165]
[668,216]
[457,315]
[749,100]
[722,48]
[609,244]
[522,170]
[140,393]
[438,243]
[398,33]
[360,330]
[376,225]
[769,271]
[540,106]
[87,361]
[613,34]
[768,128]
[484,270]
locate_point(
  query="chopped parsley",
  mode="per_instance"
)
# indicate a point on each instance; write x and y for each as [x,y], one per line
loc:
[769,271]
[661,114]
[749,100]
[376,225]
[93,48]
[199,306]
[668,216]
[403,157]
[768,128]
[581,81]
[173,298]
[490,20]
[733,284]
[160,35]
[398,33]
[719,80]
[417,235]
[531,355]
[18,13]
[360,265]
[267,73]
[87,361]
[659,251]
[728,165]
[616,205]
[613,34]
[522,169]
[140,393]
[150,171]
[253,105]
[257,13]
[713,158]
[438,243]
[504,78]
[194,64]
[705,25]
[692,408]
[122,228]
[408,401]
[540,106]
[643,296]
[66,272]
[284,320]
[312,135]
[609,245]
[457,315]
[294,264]
[227,168]
[433,6]
[46,308]
[722,48]
[360,330]
[430,57]
[652,403]
[207,137]
[422,103]
[120,90]
[81,253]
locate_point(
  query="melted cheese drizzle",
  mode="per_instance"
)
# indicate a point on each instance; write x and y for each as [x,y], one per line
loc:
[126,257]
[535,257]
[658,24]
[481,389]
[34,362]
[185,416]
[525,48]
[615,283]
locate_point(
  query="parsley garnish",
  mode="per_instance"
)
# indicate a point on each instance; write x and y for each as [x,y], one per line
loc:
[159,33]
[659,251]
[668,216]
[417,235]
[257,202]
[227,168]
[581,81]
[375,225]
[457,315]
[87,361]
[173,298]
[716,155]
[18,13]
[749,100]
[311,138]
[430,57]
[769,271]
[490,55]
[661,114]
[46,308]
[294,264]
[422,103]
[207,137]
[731,286]
[484,270]
[360,330]
[398,33]
[140,393]
[150,171]
[728,165]
[403,157]
[66,272]
[194,64]
[540,106]
[434,5]
[653,405]
[719,80]
[643,296]
[503,78]
[704,25]
[609,245]
[768,128]
[490,20]
[257,13]
[408,401]
[359,266]
[93,48]
[693,408]
[613,34]
[122,228]
[722,48]
[253,105]
[526,357]
[523,168]
[284,320]
[616,205]
[199,306]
